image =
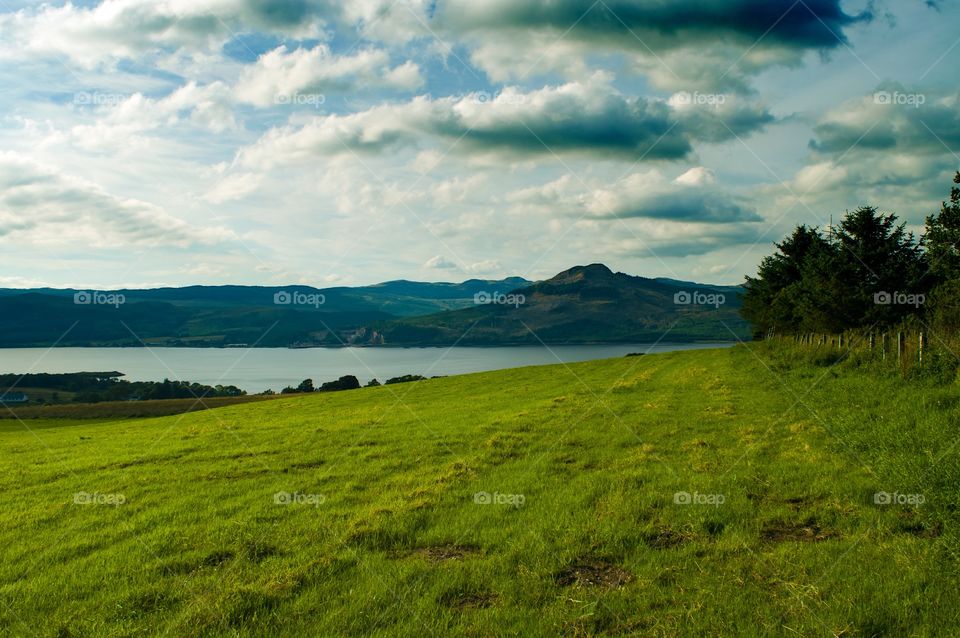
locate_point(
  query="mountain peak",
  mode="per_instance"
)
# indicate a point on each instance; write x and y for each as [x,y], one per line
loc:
[594,269]
[590,272]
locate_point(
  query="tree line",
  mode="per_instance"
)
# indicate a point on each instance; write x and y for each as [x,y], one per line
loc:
[94,387]
[866,272]
[347,382]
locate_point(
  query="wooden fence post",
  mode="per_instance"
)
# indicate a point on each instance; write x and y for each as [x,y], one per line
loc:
[920,346]
[900,344]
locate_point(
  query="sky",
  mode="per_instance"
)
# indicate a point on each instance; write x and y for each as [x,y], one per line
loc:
[150,143]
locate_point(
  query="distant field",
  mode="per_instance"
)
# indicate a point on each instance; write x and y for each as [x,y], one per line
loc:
[714,492]
[46,394]
[122,409]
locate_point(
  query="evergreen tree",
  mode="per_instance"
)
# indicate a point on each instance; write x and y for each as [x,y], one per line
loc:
[942,242]
[874,258]
[942,237]
[770,300]
[843,281]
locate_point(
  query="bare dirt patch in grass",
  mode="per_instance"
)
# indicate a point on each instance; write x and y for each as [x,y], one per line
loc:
[473,600]
[443,553]
[664,538]
[593,573]
[918,528]
[806,531]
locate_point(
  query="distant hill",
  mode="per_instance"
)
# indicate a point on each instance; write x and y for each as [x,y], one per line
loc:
[399,298]
[223,315]
[585,304]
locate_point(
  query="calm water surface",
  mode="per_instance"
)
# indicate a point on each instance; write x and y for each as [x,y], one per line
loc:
[257,369]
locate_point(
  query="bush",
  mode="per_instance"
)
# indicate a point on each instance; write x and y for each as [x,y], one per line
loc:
[305,386]
[347,382]
[407,378]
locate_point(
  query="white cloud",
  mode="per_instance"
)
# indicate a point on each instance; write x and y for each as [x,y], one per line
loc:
[280,75]
[118,29]
[406,76]
[697,176]
[484,267]
[22,282]
[691,197]
[122,119]
[456,189]
[682,44]
[893,148]
[233,187]
[439,262]
[38,204]
[590,117]
[391,21]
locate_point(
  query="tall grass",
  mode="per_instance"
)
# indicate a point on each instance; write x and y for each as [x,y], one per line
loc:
[909,351]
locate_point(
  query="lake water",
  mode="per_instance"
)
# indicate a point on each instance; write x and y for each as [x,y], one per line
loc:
[257,369]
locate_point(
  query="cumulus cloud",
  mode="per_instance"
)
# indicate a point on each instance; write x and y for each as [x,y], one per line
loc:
[813,23]
[47,206]
[484,267]
[121,119]
[119,29]
[894,148]
[439,262]
[114,30]
[393,21]
[280,75]
[512,38]
[912,185]
[691,197]
[666,239]
[892,119]
[586,117]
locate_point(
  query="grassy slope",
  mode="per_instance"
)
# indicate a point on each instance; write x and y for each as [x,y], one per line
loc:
[400,548]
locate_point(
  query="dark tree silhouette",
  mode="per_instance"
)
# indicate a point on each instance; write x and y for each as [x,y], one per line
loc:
[942,237]
[770,300]
[844,280]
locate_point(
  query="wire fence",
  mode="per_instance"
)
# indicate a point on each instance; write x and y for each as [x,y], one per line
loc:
[908,350]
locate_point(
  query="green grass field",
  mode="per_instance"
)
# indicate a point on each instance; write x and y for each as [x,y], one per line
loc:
[389,531]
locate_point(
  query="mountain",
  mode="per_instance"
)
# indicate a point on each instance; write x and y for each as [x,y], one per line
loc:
[585,304]
[222,315]
[399,298]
